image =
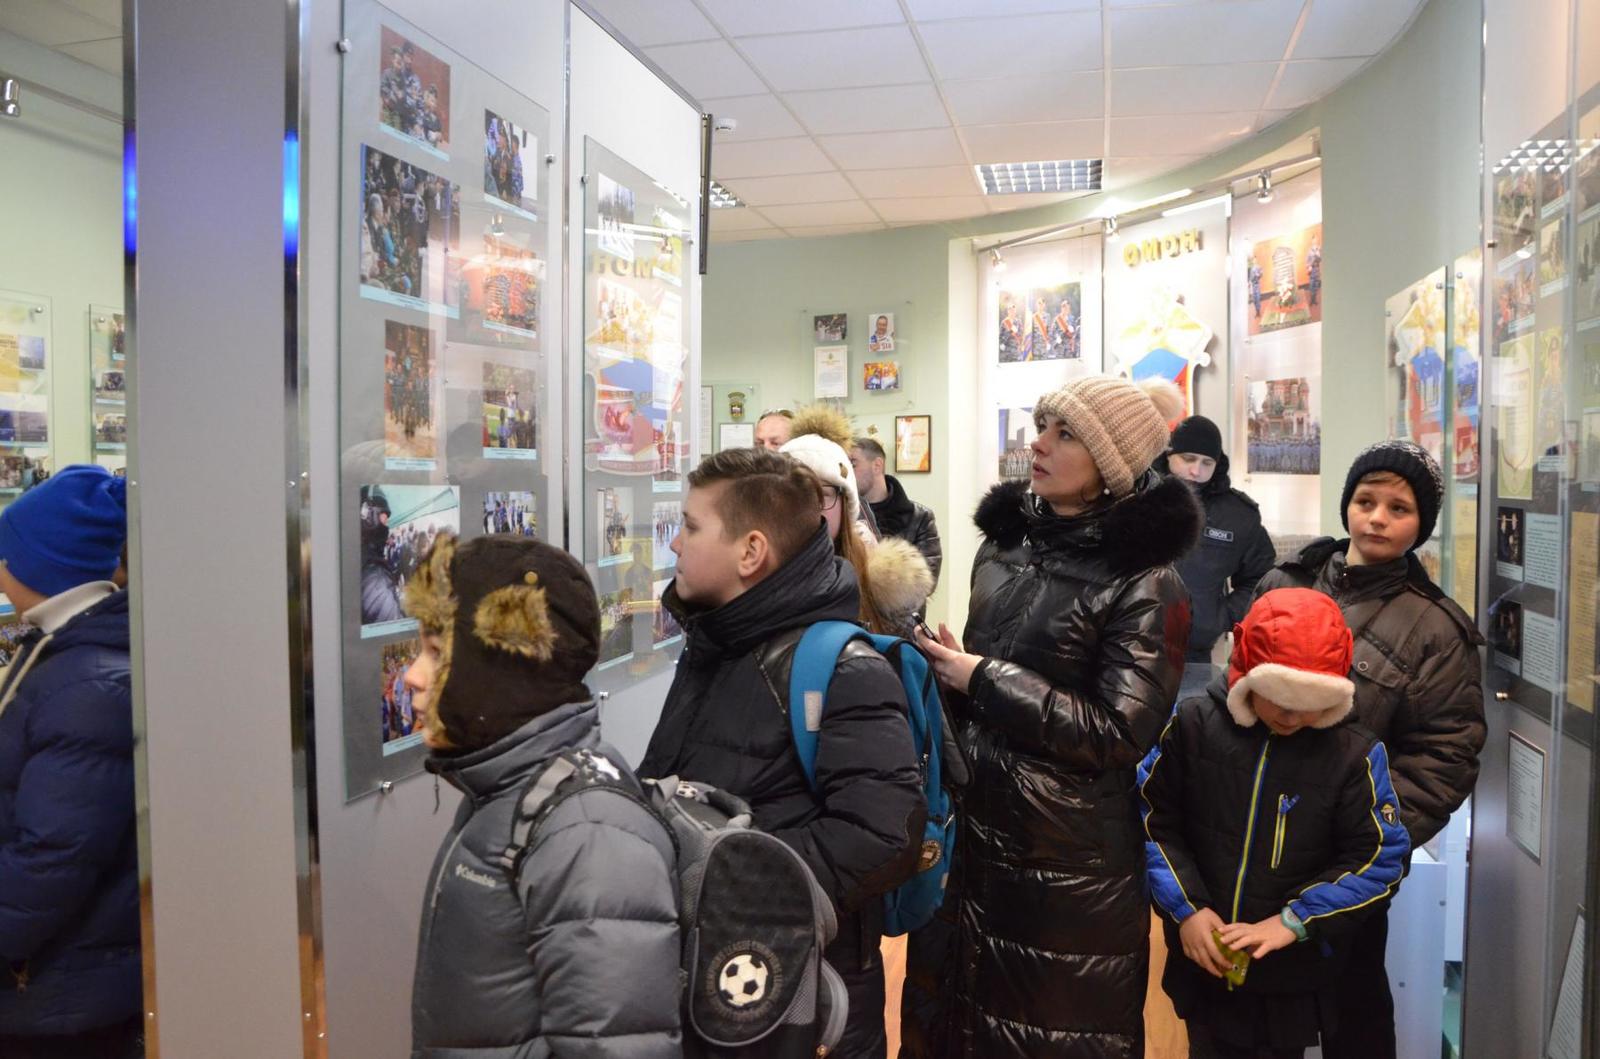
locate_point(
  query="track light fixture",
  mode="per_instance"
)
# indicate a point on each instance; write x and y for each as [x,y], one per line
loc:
[10,97]
[1264,186]
[996,262]
[1111,233]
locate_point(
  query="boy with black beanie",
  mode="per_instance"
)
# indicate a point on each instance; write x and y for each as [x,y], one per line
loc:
[1418,678]
[573,948]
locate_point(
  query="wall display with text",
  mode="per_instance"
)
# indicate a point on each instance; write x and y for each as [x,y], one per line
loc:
[1414,324]
[1284,281]
[26,322]
[913,444]
[830,371]
[443,387]
[636,336]
[108,395]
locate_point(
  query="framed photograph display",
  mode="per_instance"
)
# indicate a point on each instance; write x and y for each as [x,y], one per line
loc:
[25,339]
[635,422]
[913,444]
[443,364]
[108,398]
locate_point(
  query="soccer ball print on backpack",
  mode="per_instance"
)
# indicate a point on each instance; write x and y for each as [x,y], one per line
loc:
[754,919]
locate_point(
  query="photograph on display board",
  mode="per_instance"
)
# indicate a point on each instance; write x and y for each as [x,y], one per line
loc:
[1515,194]
[402,726]
[10,362]
[1285,433]
[31,426]
[1552,191]
[877,375]
[1586,173]
[613,519]
[630,427]
[1516,293]
[399,523]
[913,444]
[515,513]
[12,631]
[668,520]
[1464,363]
[110,429]
[1017,432]
[1041,323]
[1505,635]
[1514,451]
[510,411]
[880,339]
[1589,450]
[624,321]
[616,627]
[1553,256]
[667,249]
[504,148]
[1415,318]
[410,398]
[414,93]
[1549,392]
[830,328]
[672,453]
[1587,269]
[1508,539]
[665,628]
[616,206]
[1284,278]
[1163,339]
[30,352]
[110,386]
[502,284]
[19,473]
[410,235]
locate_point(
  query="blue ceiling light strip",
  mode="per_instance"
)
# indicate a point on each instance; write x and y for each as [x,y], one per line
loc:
[291,194]
[130,194]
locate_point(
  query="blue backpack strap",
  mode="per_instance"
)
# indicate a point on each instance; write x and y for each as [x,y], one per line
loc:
[814,660]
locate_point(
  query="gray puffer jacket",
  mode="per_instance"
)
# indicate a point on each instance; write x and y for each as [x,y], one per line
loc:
[580,957]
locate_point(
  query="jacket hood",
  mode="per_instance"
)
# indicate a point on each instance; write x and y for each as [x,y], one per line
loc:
[103,625]
[898,578]
[1154,525]
[1220,482]
[816,585]
[508,761]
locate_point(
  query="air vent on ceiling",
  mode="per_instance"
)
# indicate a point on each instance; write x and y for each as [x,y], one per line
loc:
[1015,178]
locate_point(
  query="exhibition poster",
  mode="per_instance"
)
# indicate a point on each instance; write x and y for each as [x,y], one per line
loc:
[1284,426]
[1513,366]
[108,364]
[1415,325]
[26,322]
[880,375]
[1041,322]
[1466,330]
[1284,281]
[913,444]
[399,523]
[1016,436]
[1164,340]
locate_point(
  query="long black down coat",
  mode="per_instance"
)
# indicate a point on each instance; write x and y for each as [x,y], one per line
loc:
[1041,947]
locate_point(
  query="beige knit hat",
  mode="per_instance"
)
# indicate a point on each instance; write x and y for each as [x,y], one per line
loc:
[1122,423]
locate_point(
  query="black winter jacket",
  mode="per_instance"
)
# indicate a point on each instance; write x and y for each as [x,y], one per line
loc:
[1417,671]
[900,516]
[579,955]
[69,860]
[1222,570]
[724,724]
[1246,823]
[1041,947]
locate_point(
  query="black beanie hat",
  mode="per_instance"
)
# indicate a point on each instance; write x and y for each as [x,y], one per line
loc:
[521,628]
[1411,462]
[1199,435]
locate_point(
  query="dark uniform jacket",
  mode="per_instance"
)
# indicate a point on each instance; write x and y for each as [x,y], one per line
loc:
[1222,570]
[1041,947]
[1246,823]
[1417,672]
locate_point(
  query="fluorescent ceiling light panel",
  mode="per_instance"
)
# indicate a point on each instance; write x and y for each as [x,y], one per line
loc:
[1016,178]
[722,198]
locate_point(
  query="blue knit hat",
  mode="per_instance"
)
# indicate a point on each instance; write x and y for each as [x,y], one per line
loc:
[66,531]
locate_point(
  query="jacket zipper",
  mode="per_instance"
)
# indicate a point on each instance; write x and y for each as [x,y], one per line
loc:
[1250,828]
[1280,831]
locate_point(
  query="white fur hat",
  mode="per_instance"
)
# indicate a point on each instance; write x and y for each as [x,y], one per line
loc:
[831,464]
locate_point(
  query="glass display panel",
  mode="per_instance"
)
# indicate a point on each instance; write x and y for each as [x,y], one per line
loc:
[25,341]
[108,396]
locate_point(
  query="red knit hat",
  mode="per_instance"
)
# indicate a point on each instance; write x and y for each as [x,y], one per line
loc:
[1294,649]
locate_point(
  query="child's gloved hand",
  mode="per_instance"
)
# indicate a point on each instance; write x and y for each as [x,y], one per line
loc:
[1258,939]
[1195,933]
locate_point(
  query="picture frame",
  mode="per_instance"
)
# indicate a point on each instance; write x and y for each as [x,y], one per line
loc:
[913,444]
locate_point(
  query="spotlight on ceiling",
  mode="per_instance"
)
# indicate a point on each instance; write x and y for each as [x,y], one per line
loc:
[996,262]
[1112,235]
[10,98]
[1264,186]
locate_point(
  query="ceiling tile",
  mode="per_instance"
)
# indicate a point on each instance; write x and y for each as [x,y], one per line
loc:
[852,212]
[747,236]
[869,109]
[106,54]
[1179,134]
[1124,172]
[49,23]
[1245,31]
[1353,27]
[650,22]
[747,18]
[1307,82]
[881,55]
[731,159]
[107,11]
[709,68]
[740,219]
[1190,89]
[929,10]
[781,190]
[760,117]
[895,150]
[812,231]
[935,209]
[1056,97]
[995,47]
[915,183]
[1037,142]
[1028,200]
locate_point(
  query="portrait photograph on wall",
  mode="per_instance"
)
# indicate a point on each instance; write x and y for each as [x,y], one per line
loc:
[414,94]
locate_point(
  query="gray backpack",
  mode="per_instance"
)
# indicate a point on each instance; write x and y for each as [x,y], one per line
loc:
[754,919]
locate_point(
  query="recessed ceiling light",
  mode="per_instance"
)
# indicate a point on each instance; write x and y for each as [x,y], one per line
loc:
[1015,178]
[722,198]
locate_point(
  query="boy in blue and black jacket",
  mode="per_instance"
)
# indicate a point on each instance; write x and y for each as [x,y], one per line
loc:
[1273,826]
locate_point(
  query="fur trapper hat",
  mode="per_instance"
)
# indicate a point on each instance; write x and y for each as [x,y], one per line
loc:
[520,626]
[822,441]
[1293,648]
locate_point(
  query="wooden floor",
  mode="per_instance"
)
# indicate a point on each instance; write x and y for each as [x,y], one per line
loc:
[1164,1036]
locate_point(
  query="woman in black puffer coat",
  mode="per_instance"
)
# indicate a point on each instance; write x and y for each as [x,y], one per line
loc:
[1074,651]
